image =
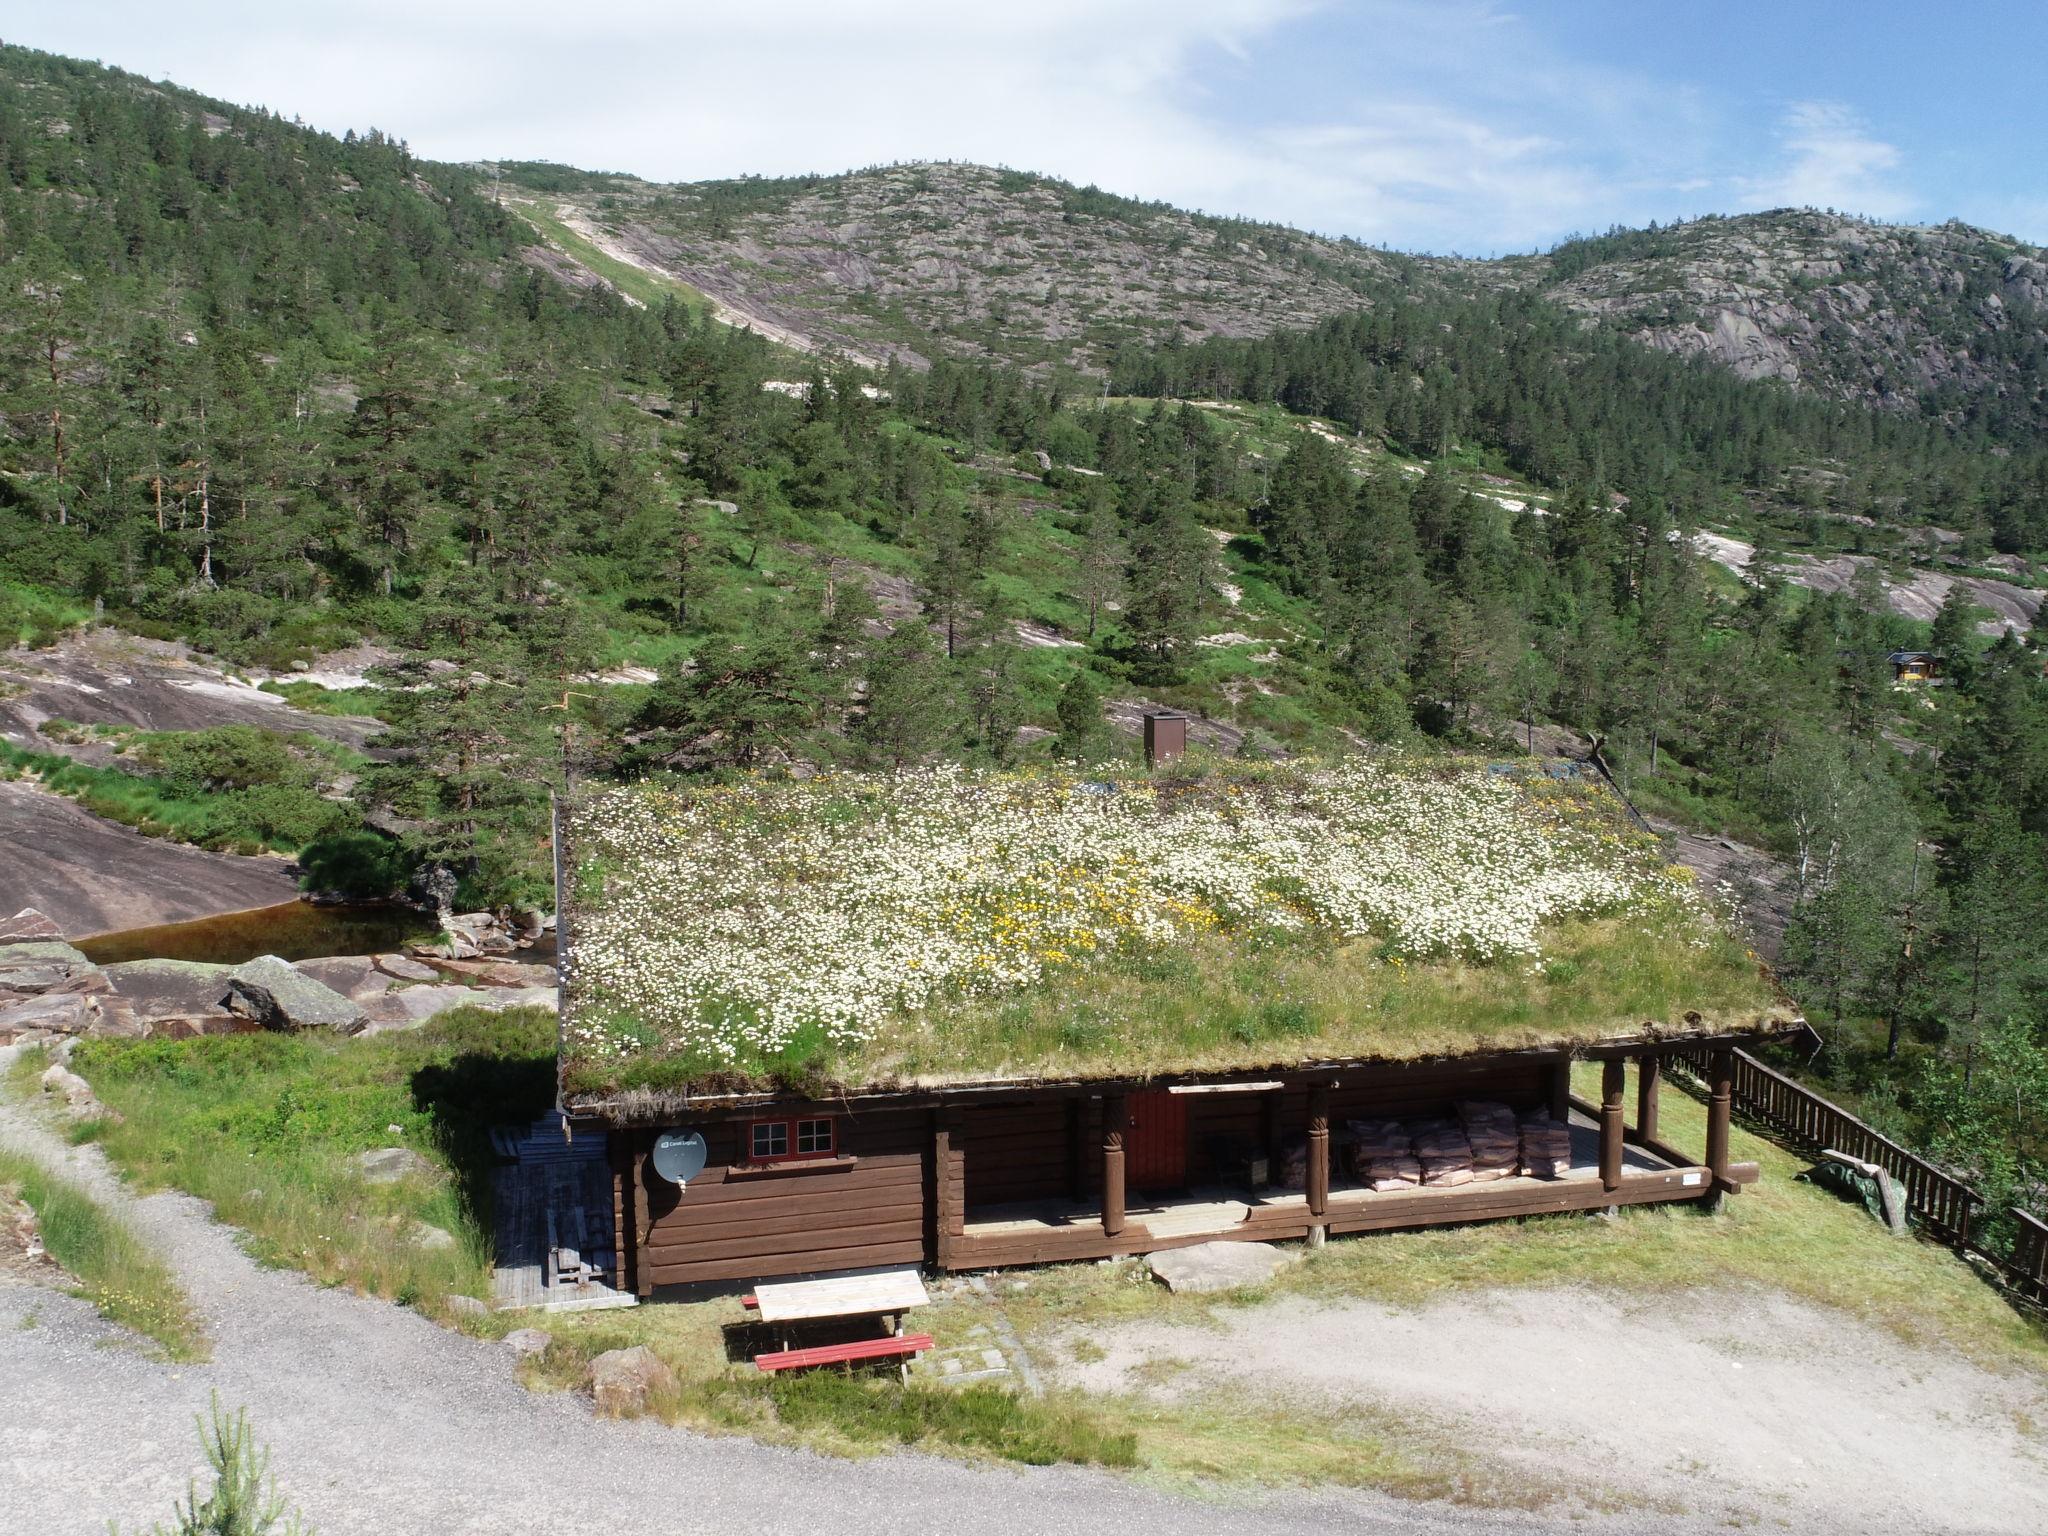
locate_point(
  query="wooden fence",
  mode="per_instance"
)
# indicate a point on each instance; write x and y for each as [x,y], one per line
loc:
[1941,1203]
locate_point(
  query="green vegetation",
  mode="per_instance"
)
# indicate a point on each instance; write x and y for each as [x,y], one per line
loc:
[275,392]
[232,788]
[266,1127]
[114,1268]
[244,1500]
[33,617]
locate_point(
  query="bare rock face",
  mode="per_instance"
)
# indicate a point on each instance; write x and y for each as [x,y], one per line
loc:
[52,1013]
[42,965]
[405,968]
[354,976]
[28,924]
[624,1381]
[279,996]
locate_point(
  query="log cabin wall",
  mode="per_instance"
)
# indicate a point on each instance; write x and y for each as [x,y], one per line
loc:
[733,1222]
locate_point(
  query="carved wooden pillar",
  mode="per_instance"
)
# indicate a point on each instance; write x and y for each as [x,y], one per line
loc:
[1116,1119]
[1720,1100]
[1612,1080]
[1649,1070]
[1318,1157]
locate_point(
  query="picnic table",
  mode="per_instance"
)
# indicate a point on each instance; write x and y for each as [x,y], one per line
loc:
[884,1294]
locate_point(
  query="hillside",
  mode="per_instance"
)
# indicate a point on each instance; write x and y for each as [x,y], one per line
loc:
[1949,320]
[923,261]
[920,261]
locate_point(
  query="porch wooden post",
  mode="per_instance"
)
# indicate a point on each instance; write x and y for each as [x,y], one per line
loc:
[636,1174]
[1612,1080]
[1318,1159]
[1720,1100]
[942,1190]
[1116,1119]
[1649,1068]
[1561,1091]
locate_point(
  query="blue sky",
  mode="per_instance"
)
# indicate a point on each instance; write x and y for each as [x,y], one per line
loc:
[1470,125]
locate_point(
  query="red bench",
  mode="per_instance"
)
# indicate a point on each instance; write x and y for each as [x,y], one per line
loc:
[840,1354]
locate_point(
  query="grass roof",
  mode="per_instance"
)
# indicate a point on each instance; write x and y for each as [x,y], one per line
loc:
[944,926]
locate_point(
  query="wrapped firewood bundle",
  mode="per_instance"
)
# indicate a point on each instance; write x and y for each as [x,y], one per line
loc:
[1444,1152]
[1293,1162]
[1546,1146]
[1383,1154]
[1393,1173]
[1495,1137]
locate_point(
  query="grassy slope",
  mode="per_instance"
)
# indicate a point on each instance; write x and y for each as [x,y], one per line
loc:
[114,1268]
[266,1127]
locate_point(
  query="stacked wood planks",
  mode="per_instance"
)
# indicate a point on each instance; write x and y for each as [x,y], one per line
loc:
[1444,1151]
[1546,1146]
[1495,1137]
[1383,1154]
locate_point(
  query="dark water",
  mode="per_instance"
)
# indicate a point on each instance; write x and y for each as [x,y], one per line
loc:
[294,930]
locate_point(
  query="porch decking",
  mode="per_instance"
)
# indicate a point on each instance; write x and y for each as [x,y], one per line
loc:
[1050,1231]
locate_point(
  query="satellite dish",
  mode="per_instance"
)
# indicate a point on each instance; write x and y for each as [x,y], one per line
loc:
[679,1156]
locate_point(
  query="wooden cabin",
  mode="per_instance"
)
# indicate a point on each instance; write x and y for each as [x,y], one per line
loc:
[889,1158]
[1913,667]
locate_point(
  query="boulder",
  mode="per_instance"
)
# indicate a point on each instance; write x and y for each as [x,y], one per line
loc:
[410,1007]
[387,1165]
[405,968]
[484,932]
[468,1306]
[80,1102]
[40,965]
[623,1381]
[498,973]
[26,925]
[424,1234]
[279,996]
[527,1342]
[354,976]
[56,1013]
[1210,1267]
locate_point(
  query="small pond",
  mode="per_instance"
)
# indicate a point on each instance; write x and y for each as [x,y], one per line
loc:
[292,930]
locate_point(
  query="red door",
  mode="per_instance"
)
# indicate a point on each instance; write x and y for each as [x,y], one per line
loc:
[1156,1145]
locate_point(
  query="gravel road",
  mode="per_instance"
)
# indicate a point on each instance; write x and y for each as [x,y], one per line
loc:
[383,1424]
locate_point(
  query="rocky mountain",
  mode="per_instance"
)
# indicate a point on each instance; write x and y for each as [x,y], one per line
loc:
[919,261]
[1949,319]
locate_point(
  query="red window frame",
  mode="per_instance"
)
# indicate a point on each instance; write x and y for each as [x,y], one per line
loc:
[793,1127]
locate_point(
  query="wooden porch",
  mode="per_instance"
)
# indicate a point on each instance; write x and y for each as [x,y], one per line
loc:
[1612,1164]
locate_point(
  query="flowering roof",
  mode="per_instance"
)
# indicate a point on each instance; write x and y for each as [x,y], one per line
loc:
[853,931]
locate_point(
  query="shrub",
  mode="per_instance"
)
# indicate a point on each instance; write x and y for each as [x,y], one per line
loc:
[361,865]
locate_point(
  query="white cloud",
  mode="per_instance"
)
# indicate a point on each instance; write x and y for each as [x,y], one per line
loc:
[1832,160]
[1432,124]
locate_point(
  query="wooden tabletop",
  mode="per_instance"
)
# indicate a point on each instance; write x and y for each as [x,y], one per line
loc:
[846,1293]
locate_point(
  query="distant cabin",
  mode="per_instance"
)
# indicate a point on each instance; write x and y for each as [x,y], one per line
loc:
[1915,666]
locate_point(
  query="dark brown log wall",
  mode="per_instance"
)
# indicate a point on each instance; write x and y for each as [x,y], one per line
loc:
[733,1223]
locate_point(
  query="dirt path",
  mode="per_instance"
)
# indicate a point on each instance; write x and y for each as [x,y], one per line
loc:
[1732,1405]
[382,1424]
[91,876]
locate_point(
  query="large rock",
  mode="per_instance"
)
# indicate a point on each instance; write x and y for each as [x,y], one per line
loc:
[413,1006]
[79,1100]
[387,1165]
[499,973]
[279,996]
[1209,1267]
[405,968]
[624,1381]
[53,1013]
[42,965]
[27,924]
[355,976]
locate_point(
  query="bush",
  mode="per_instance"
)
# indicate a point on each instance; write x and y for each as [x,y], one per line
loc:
[979,1417]
[361,865]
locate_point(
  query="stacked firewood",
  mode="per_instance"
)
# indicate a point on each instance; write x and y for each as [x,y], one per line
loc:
[1495,1138]
[1383,1154]
[1293,1163]
[1546,1146]
[1444,1151]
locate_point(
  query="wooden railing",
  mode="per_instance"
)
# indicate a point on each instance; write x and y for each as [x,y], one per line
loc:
[2027,1269]
[1943,1204]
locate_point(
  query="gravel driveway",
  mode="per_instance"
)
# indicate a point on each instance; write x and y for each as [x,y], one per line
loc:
[381,1423]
